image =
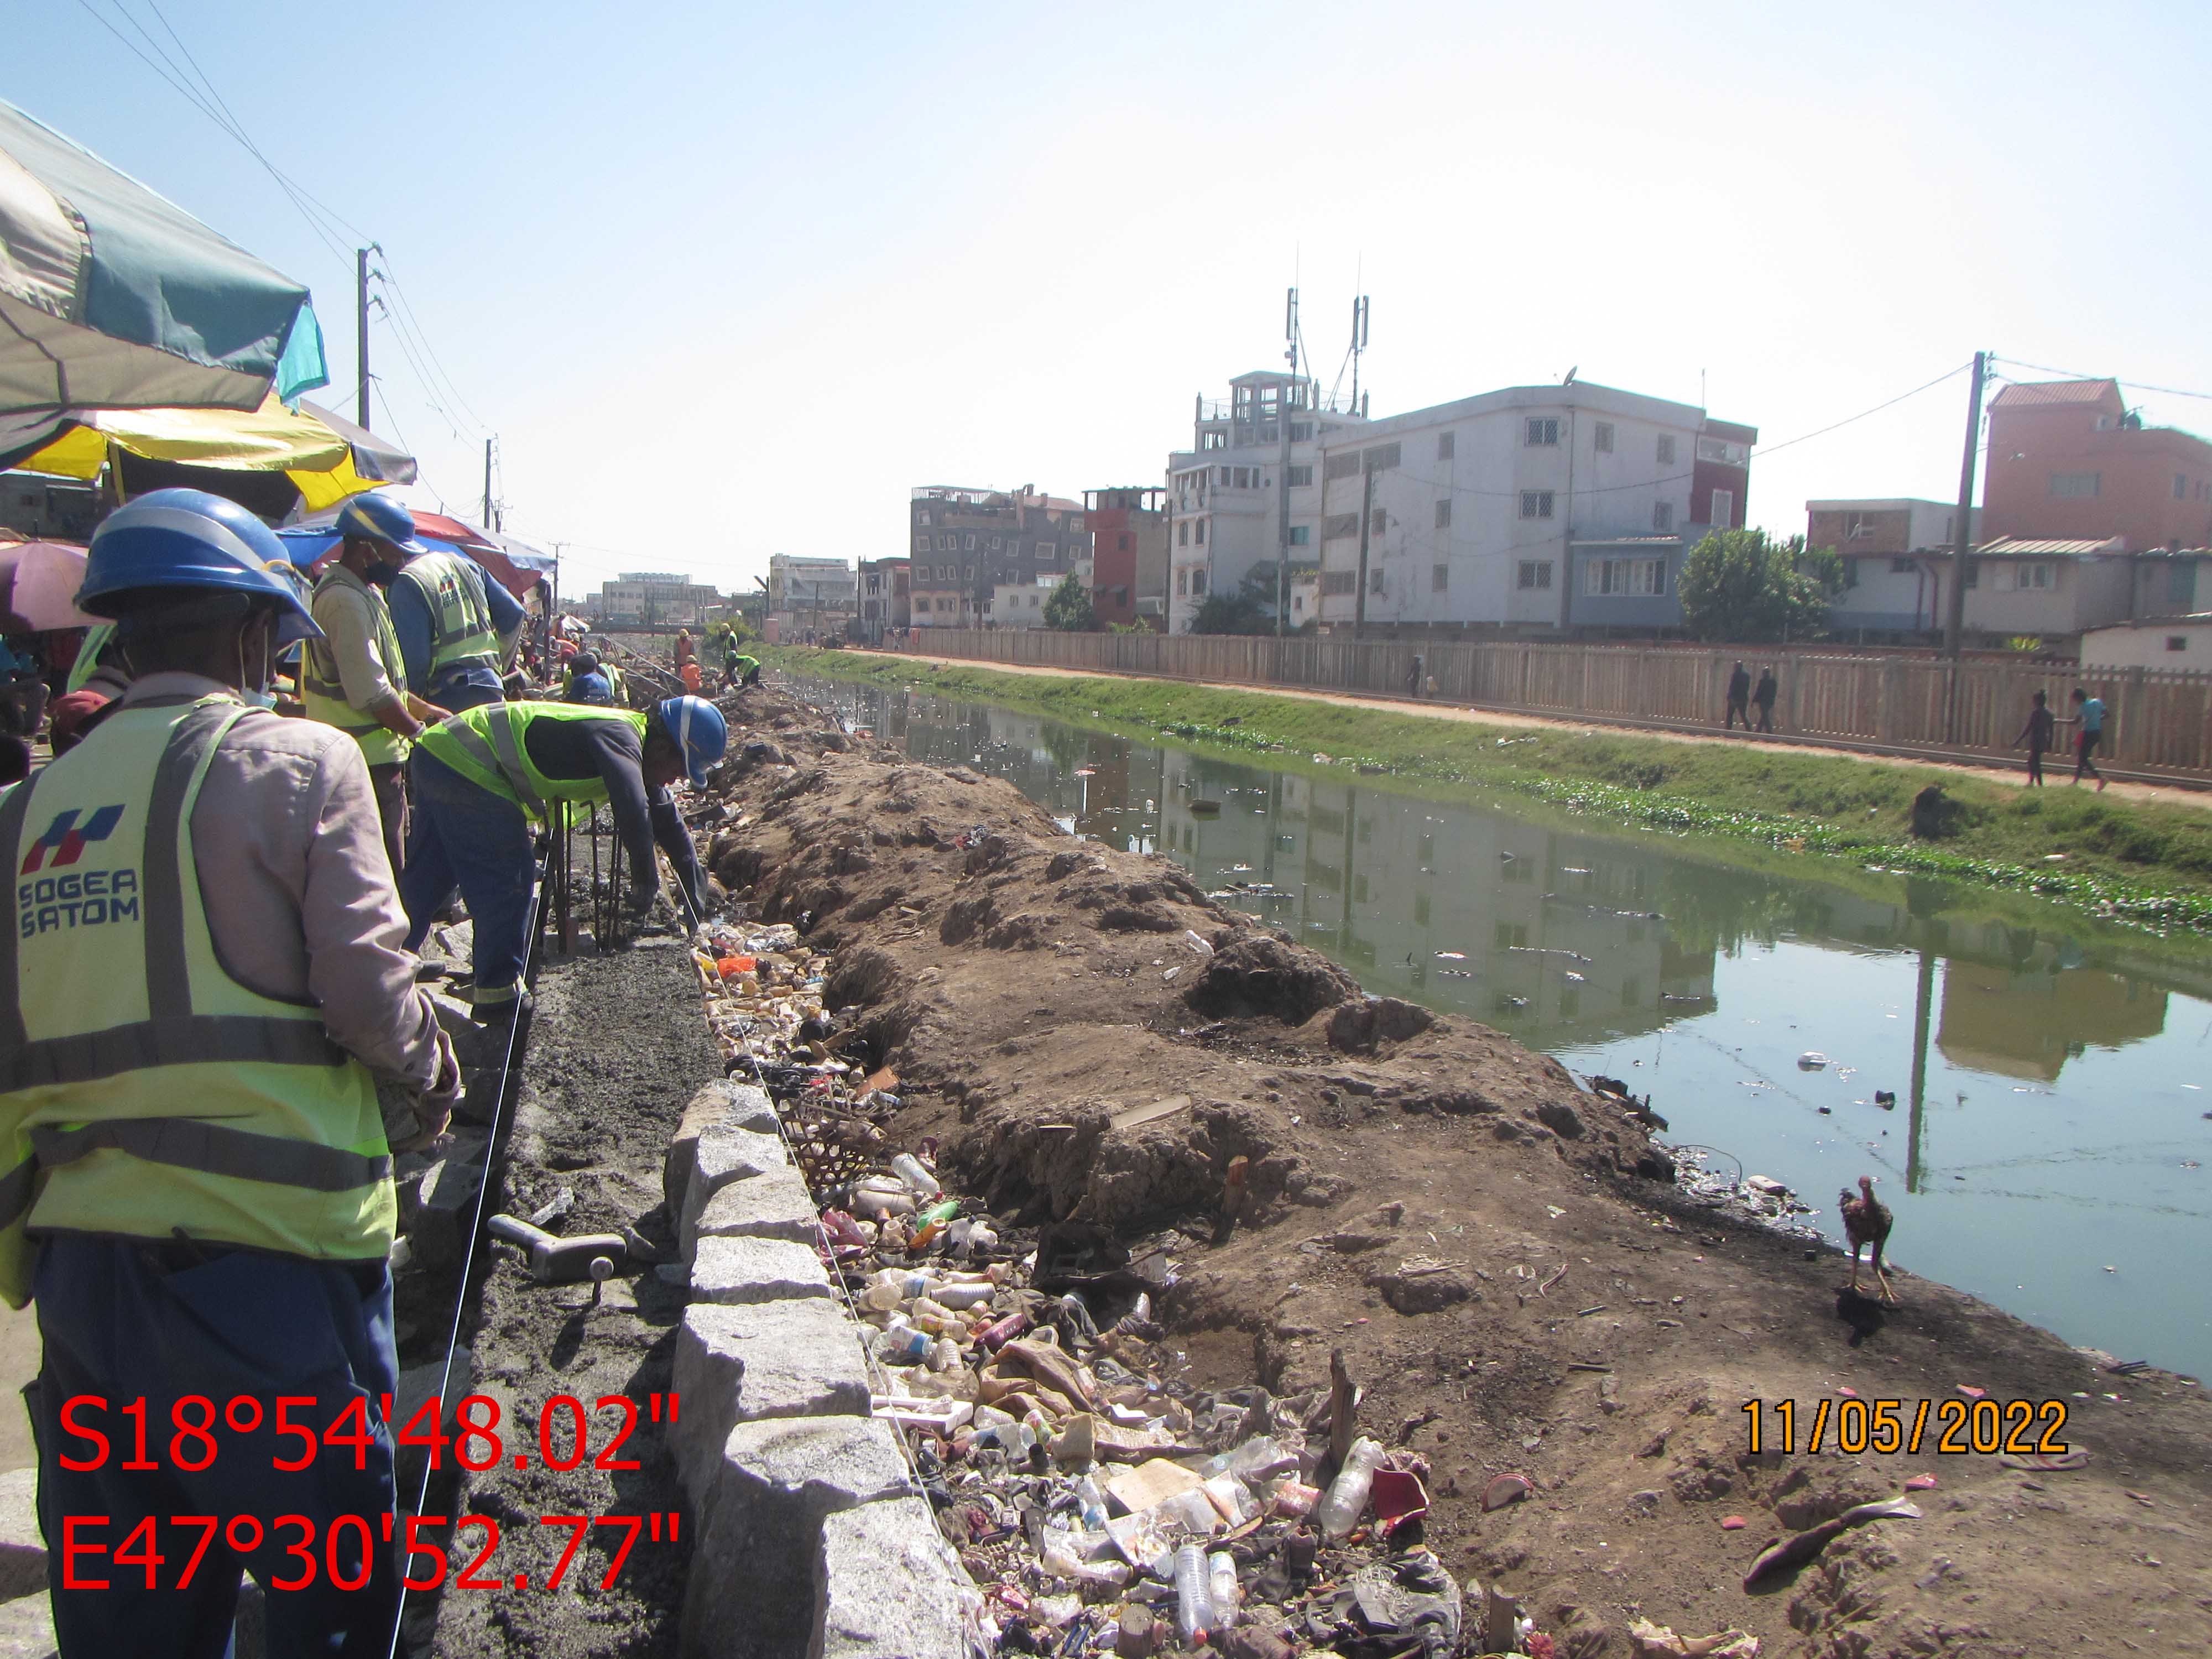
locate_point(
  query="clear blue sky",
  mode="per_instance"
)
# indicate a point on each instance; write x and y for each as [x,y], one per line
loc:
[727,279]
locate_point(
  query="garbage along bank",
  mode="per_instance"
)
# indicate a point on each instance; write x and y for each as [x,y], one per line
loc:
[1537,1325]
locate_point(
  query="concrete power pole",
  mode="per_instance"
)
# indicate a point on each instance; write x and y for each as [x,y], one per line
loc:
[487,524]
[361,334]
[1962,532]
[1366,522]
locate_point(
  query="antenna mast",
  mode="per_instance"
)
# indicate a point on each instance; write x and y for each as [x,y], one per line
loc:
[1359,345]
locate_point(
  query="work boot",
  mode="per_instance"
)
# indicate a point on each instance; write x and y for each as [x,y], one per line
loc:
[516,1008]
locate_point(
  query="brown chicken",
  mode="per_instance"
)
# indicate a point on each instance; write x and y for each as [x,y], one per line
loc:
[1866,1221]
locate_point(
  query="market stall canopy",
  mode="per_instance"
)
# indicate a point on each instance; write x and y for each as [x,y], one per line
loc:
[113,297]
[38,582]
[324,459]
[516,566]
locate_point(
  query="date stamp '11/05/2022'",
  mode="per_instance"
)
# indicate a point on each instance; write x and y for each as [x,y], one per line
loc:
[1950,1428]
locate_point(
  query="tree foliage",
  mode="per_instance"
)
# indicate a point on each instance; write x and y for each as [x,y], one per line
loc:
[1069,608]
[1742,584]
[1250,610]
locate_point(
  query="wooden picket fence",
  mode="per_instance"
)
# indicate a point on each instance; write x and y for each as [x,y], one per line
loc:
[2157,724]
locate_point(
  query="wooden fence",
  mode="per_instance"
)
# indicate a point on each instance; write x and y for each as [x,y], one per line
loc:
[2157,724]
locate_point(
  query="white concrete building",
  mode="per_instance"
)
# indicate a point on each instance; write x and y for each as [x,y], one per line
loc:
[1255,463]
[2151,642]
[805,593]
[1892,550]
[1532,507]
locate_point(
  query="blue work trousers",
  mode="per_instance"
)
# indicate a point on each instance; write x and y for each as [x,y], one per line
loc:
[124,1320]
[470,688]
[468,836]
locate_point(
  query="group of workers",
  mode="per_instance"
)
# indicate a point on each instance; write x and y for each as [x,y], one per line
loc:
[210,968]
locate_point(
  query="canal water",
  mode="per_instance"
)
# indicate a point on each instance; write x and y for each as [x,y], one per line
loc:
[2052,1080]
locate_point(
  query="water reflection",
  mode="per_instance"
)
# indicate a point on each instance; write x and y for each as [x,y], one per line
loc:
[2001,1075]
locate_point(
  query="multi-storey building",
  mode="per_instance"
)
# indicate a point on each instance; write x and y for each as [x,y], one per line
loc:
[651,599]
[1246,493]
[1129,538]
[810,595]
[1892,550]
[1548,508]
[885,596]
[969,542]
[2068,460]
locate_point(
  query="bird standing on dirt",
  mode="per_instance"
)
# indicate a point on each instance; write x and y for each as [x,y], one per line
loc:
[1866,1221]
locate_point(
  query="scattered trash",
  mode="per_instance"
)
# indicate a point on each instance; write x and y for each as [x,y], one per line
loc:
[1506,1489]
[1650,1641]
[1807,1544]
[1921,1483]
[1812,1061]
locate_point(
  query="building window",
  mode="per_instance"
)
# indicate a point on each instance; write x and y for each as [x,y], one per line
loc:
[921,604]
[1439,577]
[1973,573]
[1214,440]
[1182,582]
[1124,546]
[1626,577]
[1201,532]
[1338,582]
[1344,465]
[1535,504]
[2176,641]
[924,515]
[1445,445]
[1300,432]
[971,545]
[1048,551]
[1543,431]
[1301,535]
[1375,579]
[2180,487]
[1300,477]
[1378,521]
[1666,449]
[971,573]
[1602,437]
[1182,533]
[1663,515]
[1902,567]
[1443,514]
[1240,477]
[921,544]
[2181,581]
[1197,580]
[1857,526]
[1534,575]
[2036,575]
[2077,484]
[1850,573]
[1339,525]
[1723,509]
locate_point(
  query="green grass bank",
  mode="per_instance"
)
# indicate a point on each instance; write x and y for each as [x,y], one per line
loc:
[2147,864]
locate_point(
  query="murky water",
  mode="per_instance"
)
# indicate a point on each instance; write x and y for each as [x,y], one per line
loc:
[2052,1081]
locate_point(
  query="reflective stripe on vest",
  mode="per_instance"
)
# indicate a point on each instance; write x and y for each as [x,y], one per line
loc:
[322,689]
[461,634]
[490,747]
[115,1013]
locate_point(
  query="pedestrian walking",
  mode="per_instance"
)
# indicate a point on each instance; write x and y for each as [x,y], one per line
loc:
[2038,737]
[200,1199]
[1413,676]
[2089,716]
[355,675]
[1739,698]
[1762,698]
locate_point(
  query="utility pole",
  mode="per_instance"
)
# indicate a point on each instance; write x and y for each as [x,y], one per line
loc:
[1962,533]
[1366,523]
[1284,405]
[487,510]
[360,334]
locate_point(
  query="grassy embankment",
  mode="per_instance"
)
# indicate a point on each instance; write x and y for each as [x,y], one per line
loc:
[2146,863]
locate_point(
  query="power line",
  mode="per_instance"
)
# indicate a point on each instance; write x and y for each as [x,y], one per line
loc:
[1768,449]
[2073,374]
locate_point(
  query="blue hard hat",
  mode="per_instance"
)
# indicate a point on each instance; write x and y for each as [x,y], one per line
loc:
[699,731]
[379,517]
[188,538]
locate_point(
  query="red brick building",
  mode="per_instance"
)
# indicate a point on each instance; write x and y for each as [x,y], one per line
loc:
[2068,460]
[1128,556]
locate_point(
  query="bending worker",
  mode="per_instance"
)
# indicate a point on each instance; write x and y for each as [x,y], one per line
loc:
[355,677]
[457,628]
[204,968]
[483,775]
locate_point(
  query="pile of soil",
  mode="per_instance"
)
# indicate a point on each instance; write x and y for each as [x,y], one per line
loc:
[1501,1256]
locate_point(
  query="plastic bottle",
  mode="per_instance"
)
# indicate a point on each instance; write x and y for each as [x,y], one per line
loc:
[963,1295]
[918,1181]
[1221,1589]
[1346,1501]
[901,1344]
[1193,1599]
[937,1320]
[939,1214]
[888,1287]
[1089,1494]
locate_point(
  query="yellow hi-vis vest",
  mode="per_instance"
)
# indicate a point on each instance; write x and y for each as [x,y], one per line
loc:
[461,634]
[486,746]
[323,692]
[143,1091]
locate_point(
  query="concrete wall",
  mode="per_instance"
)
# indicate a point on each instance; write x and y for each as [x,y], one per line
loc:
[2151,646]
[814,1538]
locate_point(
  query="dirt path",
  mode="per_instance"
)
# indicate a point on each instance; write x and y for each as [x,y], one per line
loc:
[2013,776]
[1494,1250]
[616,1051]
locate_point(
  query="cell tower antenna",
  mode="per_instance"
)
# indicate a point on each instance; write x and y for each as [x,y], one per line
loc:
[1359,345]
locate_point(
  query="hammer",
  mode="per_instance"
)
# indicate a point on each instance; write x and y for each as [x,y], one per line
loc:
[561,1260]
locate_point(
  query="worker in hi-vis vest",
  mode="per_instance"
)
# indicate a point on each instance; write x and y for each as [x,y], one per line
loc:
[457,629]
[482,776]
[355,675]
[202,971]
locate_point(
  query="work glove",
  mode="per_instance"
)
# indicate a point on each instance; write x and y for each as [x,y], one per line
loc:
[433,1106]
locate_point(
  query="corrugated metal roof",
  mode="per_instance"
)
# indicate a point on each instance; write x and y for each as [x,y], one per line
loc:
[2035,393]
[2029,547]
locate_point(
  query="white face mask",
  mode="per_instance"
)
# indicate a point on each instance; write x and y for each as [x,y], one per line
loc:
[253,695]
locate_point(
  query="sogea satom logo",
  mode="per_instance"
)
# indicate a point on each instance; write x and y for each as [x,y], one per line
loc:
[66,840]
[62,897]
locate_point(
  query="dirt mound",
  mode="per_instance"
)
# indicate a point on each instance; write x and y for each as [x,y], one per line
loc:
[1260,976]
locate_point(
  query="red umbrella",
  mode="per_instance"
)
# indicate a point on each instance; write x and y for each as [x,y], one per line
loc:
[38,582]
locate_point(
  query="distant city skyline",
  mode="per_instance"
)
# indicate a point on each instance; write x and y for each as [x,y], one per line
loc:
[715,270]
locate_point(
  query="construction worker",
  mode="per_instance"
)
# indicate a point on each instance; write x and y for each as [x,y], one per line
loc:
[739,669]
[482,776]
[201,972]
[585,682]
[355,677]
[457,628]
